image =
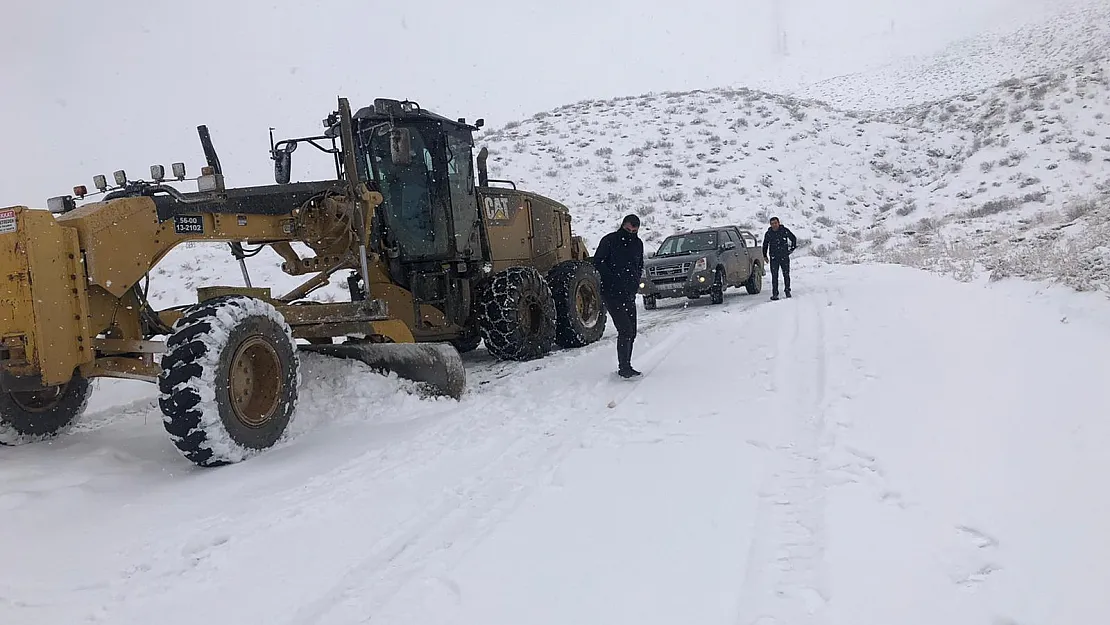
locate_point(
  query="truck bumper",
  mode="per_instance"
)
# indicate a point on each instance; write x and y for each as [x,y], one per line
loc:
[697,283]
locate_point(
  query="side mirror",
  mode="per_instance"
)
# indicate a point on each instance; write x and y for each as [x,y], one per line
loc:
[283,166]
[728,245]
[400,146]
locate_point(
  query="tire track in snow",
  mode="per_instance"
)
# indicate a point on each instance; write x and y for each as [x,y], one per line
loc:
[462,520]
[433,428]
[459,515]
[784,581]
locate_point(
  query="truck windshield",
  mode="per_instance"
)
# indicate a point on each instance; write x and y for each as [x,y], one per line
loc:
[688,244]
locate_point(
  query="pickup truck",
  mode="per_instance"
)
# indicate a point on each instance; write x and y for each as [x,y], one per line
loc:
[703,262]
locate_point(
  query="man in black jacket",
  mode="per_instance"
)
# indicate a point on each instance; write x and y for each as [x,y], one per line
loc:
[620,261]
[781,242]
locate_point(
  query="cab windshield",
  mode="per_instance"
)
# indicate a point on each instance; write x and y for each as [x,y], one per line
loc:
[681,244]
[415,196]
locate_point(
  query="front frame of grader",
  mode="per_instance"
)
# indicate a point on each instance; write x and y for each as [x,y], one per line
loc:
[73,307]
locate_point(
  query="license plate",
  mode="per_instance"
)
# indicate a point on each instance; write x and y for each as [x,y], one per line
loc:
[188,224]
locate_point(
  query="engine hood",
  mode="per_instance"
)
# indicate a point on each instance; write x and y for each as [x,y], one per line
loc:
[655,261]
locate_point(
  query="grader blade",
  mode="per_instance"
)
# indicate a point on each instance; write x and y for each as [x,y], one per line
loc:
[437,366]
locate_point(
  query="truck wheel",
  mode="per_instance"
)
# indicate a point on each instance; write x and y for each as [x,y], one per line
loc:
[755,281]
[229,380]
[576,287]
[649,302]
[717,291]
[518,315]
[32,416]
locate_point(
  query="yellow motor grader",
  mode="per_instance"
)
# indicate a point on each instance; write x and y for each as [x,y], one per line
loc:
[437,263]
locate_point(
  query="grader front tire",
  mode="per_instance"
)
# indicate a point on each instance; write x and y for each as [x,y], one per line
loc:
[229,380]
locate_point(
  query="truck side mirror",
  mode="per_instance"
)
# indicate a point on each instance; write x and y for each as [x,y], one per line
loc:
[400,146]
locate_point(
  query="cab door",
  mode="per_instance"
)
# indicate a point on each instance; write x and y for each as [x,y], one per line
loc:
[465,208]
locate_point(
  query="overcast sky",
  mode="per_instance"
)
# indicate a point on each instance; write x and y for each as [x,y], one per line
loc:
[90,87]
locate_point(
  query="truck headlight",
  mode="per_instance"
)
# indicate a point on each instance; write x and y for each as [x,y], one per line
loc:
[701,264]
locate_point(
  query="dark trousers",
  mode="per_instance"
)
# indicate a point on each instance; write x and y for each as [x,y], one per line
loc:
[622,311]
[777,264]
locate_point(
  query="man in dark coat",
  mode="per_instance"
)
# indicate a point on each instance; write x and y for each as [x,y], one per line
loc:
[620,261]
[781,242]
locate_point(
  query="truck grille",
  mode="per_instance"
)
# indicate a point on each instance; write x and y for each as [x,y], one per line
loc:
[670,271]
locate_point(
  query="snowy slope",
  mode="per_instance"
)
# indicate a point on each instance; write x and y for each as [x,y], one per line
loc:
[1072,32]
[876,450]
[689,159]
[623,47]
[839,179]
[954,148]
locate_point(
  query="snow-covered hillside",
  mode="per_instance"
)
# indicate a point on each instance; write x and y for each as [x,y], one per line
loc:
[1077,31]
[1031,147]
[1007,151]
[1035,147]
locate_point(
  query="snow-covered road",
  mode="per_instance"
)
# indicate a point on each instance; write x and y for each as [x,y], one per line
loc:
[888,446]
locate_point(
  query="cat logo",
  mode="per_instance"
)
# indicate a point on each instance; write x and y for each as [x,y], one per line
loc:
[497,208]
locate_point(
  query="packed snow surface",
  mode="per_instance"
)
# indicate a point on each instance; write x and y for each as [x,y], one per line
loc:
[889,446]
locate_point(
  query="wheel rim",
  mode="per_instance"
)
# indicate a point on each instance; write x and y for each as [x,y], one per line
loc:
[39,400]
[531,315]
[588,304]
[255,382]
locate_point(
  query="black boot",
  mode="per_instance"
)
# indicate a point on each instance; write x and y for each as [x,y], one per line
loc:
[624,358]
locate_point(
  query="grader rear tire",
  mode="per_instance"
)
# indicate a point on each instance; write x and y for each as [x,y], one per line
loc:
[576,287]
[518,315]
[229,380]
[32,416]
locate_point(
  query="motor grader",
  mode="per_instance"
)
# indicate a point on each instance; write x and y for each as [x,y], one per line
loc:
[437,264]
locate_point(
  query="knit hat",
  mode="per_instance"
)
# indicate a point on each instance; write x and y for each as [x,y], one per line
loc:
[631,219]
